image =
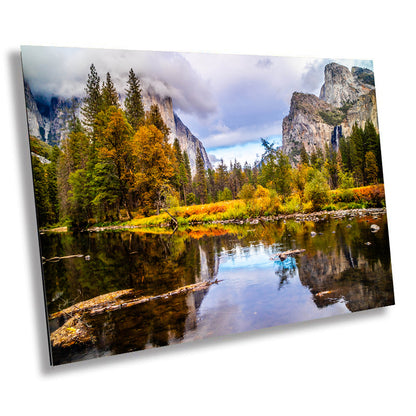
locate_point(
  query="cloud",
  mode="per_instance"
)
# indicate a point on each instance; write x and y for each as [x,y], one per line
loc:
[264,63]
[213,159]
[313,76]
[247,152]
[242,135]
[225,100]
[63,72]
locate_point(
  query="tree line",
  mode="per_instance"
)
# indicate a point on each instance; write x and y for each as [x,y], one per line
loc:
[118,163]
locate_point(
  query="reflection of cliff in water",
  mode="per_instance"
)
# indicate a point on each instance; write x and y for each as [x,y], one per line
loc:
[362,283]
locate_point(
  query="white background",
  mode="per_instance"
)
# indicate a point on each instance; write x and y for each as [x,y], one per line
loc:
[352,365]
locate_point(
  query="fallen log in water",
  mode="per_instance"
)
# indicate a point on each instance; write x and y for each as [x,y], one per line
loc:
[123,299]
[85,306]
[284,255]
[175,221]
[56,259]
[75,329]
[127,303]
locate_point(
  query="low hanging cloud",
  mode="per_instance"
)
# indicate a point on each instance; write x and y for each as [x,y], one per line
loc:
[225,100]
[63,72]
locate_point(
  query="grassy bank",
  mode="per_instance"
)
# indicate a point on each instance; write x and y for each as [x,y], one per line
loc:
[268,205]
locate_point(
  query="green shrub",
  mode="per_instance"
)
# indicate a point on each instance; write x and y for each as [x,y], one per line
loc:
[190,198]
[330,207]
[317,190]
[247,191]
[225,195]
[293,205]
[333,118]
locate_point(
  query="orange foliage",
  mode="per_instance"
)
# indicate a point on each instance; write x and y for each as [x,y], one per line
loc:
[373,194]
[206,209]
[198,233]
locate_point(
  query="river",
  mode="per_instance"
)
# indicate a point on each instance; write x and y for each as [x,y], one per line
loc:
[345,268]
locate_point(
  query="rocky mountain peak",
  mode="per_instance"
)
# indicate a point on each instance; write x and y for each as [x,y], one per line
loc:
[344,86]
[346,98]
[308,104]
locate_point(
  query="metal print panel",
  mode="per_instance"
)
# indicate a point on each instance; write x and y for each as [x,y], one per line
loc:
[181,196]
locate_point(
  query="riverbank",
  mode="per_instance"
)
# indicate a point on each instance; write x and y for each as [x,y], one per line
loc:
[313,217]
[266,207]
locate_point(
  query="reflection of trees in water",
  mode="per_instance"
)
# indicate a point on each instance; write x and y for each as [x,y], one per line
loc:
[285,270]
[336,261]
[152,264]
[348,269]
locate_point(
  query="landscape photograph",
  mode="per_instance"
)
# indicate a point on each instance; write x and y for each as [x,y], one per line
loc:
[185,196]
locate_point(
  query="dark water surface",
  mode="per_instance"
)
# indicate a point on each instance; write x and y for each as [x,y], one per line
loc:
[345,268]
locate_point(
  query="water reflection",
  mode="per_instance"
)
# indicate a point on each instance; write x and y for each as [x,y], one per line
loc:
[345,268]
[285,270]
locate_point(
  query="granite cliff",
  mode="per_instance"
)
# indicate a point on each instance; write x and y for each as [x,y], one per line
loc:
[187,141]
[47,121]
[346,97]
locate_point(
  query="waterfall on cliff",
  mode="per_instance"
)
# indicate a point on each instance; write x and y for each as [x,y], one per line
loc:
[335,136]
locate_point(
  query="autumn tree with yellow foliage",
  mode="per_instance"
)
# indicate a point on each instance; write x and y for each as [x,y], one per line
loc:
[154,160]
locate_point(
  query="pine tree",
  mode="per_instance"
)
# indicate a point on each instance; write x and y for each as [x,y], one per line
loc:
[235,179]
[357,154]
[284,174]
[75,156]
[133,102]
[187,166]
[304,157]
[221,177]
[184,181]
[109,94]
[177,150]
[78,198]
[211,184]
[180,179]
[276,170]
[371,169]
[373,145]
[93,100]
[200,181]
[73,122]
[155,118]
[52,182]
[320,159]
[248,171]
[332,166]
[345,150]
[40,183]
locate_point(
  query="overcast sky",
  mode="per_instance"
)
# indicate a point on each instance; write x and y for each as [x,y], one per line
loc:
[228,101]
